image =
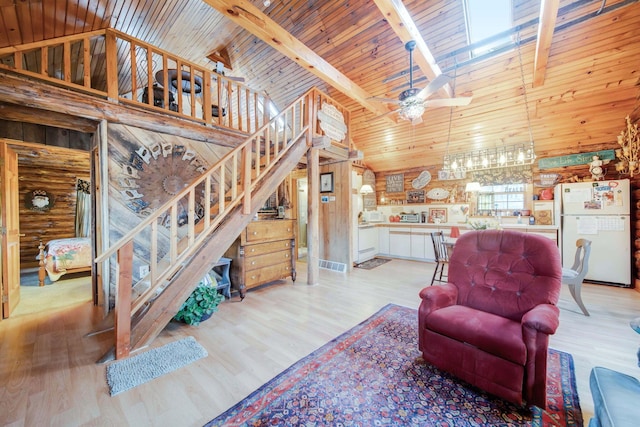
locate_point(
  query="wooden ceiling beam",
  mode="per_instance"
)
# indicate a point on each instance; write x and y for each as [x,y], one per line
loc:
[257,23]
[548,16]
[400,21]
[19,113]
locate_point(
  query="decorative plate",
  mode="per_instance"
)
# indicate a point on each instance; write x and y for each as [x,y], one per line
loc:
[422,180]
[437,194]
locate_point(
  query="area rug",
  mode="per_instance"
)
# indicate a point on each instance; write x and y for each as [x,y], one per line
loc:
[373,263]
[128,373]
[370,376]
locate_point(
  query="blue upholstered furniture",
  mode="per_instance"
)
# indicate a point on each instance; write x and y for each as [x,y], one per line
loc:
[616,398]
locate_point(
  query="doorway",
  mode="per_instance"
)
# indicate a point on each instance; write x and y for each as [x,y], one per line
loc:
[47,194]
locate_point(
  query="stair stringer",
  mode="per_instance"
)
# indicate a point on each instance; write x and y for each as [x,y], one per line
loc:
[163,307]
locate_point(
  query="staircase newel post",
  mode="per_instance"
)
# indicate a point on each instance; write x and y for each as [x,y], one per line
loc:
[122,323]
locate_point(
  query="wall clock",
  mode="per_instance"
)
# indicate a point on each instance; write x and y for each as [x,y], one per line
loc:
[155,174]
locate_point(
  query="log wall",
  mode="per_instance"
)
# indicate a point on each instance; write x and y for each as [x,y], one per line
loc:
[46,169]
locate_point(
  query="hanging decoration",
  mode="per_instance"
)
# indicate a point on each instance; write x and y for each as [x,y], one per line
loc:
[39,201]
[503,156]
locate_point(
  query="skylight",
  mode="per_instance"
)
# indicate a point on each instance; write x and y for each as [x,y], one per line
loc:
[486,18]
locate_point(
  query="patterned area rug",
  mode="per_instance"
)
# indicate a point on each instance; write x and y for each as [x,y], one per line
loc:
[369,376]
[373,263]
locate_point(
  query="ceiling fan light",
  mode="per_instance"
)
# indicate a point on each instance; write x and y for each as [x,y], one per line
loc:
[412,111]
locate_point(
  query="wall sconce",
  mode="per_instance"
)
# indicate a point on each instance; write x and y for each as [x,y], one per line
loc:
[628,155]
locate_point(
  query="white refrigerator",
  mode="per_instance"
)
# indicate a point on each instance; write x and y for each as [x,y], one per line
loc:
[598,211]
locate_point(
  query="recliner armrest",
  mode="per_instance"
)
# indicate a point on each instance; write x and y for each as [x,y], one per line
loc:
[544,318]
[437,297]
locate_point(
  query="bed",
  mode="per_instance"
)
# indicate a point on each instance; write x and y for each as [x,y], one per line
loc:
[62,256]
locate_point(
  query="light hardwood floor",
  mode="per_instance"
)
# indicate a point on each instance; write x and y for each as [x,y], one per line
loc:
[50,376]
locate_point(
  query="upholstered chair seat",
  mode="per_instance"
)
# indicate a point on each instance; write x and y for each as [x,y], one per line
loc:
[490,323]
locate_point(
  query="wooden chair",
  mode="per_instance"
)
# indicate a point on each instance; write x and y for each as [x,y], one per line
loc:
[441,254]
[574,276]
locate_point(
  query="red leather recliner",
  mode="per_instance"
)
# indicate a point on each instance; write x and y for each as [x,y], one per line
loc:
[490,324]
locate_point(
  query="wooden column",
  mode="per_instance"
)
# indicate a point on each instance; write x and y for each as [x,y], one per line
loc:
[313,209]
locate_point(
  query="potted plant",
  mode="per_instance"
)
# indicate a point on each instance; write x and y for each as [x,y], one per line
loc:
[200,305]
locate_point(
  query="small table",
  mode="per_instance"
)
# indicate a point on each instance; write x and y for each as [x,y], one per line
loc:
[222,268]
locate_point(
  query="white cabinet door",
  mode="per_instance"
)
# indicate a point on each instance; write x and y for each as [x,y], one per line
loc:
[418,239]
[383,240]
[400,241]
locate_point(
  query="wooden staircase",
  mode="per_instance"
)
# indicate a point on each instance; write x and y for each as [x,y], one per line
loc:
[256,167]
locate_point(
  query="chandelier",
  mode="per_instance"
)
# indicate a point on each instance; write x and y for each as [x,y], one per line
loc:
[490,158]
[502,156]
[629,154]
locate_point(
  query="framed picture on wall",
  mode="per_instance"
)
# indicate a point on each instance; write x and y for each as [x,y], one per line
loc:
[326,182]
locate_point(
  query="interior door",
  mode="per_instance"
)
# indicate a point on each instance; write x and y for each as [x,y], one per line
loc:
[10,229]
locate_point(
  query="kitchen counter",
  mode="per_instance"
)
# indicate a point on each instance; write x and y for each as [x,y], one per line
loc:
[462,227]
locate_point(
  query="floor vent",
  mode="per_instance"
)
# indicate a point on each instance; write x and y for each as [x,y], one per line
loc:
[333,266]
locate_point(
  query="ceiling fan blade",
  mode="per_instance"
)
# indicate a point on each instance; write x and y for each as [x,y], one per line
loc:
[448,102]
[383,115]
[433,86]
[388,100]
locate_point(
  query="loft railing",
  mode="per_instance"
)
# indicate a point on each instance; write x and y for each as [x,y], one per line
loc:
[110,64]
[207,200]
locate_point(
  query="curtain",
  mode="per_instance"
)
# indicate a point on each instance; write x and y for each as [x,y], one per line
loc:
[83,208]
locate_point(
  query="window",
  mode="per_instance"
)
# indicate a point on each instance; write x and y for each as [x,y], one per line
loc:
[484,19]
[504,199]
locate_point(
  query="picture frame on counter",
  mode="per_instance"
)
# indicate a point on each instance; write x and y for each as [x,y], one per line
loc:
[437,215]
[326,182]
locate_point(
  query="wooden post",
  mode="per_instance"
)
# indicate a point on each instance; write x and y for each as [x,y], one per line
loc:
[112,66]
[313,207]
[122,322]
[41,272]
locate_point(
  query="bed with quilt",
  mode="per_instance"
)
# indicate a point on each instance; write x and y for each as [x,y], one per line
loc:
[62,256]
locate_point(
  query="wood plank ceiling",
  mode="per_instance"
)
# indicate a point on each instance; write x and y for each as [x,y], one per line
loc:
[586,70]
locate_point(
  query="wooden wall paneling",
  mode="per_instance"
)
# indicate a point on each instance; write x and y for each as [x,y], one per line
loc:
[335,216]
[59,221]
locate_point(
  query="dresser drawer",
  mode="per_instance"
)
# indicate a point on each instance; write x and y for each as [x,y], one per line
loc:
[258,231]
[266,248]
[267,260]
[266,274]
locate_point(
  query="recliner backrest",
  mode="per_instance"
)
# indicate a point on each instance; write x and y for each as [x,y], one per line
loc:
[505,272]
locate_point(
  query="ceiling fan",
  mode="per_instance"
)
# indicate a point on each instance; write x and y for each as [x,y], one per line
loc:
[413,101]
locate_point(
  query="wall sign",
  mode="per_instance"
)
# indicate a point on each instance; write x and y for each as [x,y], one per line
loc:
[395,183]
[575,159]
[415,196]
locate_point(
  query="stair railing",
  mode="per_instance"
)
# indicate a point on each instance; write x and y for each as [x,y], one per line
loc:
[234,177]
[113,65]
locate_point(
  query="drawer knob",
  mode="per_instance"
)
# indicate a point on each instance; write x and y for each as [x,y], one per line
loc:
[253,277]
[253,249]
[255,233]
[253,263]
[286,255]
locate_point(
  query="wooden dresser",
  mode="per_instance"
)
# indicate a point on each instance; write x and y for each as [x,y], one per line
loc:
[264,252]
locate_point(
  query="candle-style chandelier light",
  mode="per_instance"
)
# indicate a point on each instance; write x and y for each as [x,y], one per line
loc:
[501,156]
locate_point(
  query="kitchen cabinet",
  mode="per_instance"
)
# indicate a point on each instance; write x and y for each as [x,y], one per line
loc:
[265,251]
[383,240]
[367,242]
[400,242]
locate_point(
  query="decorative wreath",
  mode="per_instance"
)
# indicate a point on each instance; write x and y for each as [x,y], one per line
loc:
[39,201]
